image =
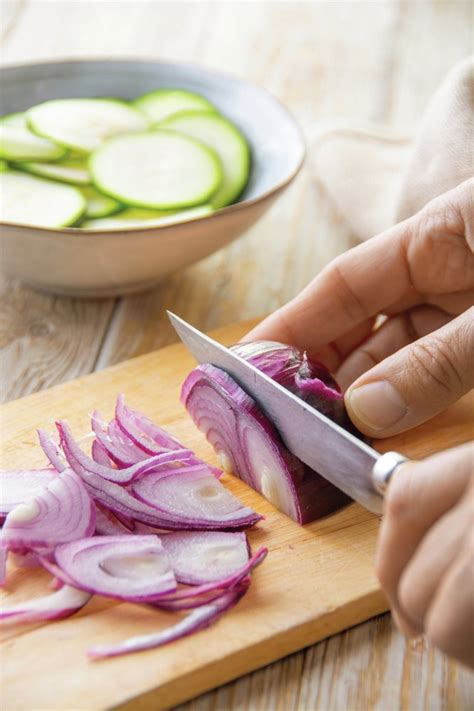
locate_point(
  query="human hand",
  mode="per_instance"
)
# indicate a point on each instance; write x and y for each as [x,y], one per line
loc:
[420,275]
[425,555]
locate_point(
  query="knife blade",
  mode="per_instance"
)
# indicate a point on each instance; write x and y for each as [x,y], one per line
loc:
[343,459]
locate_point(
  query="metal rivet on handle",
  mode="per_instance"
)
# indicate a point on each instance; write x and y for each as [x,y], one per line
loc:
[384,468]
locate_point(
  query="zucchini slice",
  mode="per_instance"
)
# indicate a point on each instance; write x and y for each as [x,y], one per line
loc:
[161,170]
[84,124]
[19,144]
[67,171]
[18,119]
[99,205]
[163,103]
[226,140]
[29,200]
[139,218]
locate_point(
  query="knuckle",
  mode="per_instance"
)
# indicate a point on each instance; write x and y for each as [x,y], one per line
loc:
[398,500]
[434,361]
[409,597]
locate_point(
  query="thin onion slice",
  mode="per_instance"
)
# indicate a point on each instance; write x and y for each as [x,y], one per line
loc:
[201,594]
[79,461]
[200,557]
[57,605]
[148,436]
[62,512]
[121,451]
[19,485]
[107,523]
[132,568]
[194,622]
[193,492]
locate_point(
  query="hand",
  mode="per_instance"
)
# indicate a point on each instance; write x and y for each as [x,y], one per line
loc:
[420,276]
[425,556]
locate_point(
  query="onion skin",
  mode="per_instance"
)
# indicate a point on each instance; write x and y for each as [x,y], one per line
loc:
[248,441]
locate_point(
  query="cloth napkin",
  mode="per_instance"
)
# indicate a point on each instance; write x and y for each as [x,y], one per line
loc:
[377,177]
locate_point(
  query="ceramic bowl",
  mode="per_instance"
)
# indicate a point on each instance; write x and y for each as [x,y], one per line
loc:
[76,262]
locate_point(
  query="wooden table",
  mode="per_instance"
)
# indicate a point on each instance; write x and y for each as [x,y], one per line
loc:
[359,61]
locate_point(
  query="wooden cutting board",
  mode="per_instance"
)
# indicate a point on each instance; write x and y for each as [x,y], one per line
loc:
[316,580]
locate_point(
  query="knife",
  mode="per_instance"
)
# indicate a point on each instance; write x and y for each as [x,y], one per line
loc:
[340,457]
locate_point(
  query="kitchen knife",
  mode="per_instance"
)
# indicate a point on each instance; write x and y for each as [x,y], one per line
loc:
[343,459]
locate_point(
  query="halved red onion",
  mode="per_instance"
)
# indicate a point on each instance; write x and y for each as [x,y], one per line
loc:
[57,605]
[148,436]
[132,568]
[198,619]
[19,485]
[200,557]
[250,447]
[62,512]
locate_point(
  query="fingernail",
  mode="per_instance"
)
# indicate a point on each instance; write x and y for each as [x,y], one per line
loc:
[378,405]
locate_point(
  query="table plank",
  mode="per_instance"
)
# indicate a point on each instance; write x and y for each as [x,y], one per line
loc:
[360,60]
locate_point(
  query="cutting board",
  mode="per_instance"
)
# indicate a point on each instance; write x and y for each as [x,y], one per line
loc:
[316,580]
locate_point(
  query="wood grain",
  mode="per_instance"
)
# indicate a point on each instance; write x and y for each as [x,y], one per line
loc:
[317,580]
[356,61]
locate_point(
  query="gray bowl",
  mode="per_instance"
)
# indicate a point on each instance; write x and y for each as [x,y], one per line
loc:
[110,262]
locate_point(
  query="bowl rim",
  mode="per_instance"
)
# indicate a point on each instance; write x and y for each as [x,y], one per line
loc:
[229,209]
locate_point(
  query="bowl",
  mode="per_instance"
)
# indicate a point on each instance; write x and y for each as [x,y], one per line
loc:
[77,262]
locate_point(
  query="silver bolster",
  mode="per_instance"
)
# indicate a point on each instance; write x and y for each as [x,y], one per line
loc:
[384,468]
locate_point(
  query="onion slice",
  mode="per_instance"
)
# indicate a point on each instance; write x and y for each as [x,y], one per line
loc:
[194,622]
[19,485]
[200,557]
[193,493]
[148,436]
[62,512]
[132,568]
[57,605]
[80,462]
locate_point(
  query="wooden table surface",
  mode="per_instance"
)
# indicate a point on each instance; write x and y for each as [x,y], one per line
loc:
[359,61]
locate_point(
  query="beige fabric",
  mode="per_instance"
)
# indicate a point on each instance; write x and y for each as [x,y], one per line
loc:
[376,177]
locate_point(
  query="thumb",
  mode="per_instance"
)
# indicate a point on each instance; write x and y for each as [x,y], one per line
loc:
[416,382]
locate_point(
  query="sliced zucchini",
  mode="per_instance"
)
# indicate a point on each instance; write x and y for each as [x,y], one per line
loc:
[99,205]
[67,171]
[163,103]
[18,120]
[19,144]
[142,218]
[84,124]
[161,170]
[29,200]
[226,140]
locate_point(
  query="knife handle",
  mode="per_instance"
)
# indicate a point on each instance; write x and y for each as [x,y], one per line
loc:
[384,468]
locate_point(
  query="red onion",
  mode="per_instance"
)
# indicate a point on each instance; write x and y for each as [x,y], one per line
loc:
[120,450]
[19,485]
[248,443]
[80,462]
[60,604]
[132,568]
[194,493]
[200,557]
[107,523]
[194,622]
[148,436]
[62,512]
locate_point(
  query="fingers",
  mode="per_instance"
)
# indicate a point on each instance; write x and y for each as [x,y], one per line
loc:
[450,621]
[432,559]
[416,382]
[426,254]
[419,494]
[394,334]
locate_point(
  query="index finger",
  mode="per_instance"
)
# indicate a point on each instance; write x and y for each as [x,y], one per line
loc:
[356,286]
